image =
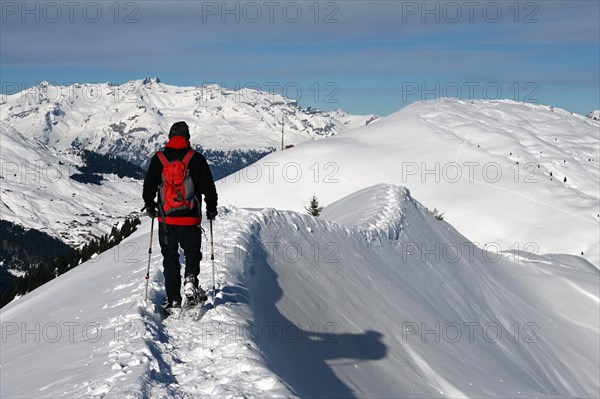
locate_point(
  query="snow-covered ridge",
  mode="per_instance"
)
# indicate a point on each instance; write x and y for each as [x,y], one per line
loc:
[359,320]
[132,119]
[507,174]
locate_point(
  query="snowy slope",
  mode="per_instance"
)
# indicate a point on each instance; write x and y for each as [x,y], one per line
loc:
[36,191]
[485,165]
[96,339]
[131,120]
[314,307]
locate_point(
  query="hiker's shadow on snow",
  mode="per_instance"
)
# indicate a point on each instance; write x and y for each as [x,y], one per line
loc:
[232,294]
[302,357]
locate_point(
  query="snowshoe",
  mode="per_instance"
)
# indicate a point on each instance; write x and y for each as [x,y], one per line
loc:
[194,294]
[190,285]
[193,300]
[172,307]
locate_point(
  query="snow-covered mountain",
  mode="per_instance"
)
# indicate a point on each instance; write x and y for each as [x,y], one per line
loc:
[508,175]
[41,126]
[356,303]
[37,191]
[132,119]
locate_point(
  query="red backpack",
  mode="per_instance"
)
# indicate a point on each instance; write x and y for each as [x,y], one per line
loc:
[176,191]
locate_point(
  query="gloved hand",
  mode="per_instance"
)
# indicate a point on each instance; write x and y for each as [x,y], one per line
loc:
[210,215]
[151,210]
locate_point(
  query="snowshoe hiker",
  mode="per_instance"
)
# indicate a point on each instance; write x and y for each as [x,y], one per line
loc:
[180,176]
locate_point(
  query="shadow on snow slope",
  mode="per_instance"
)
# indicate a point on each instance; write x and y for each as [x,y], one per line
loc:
[300,355]
[402,305]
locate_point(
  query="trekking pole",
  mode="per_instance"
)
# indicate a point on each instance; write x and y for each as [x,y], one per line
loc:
[149,257]
[212,258]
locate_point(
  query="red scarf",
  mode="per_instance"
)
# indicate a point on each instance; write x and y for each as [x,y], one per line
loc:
[178,142]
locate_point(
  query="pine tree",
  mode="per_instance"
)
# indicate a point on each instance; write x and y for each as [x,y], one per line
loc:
[47,273]
[437,214]
[22,285]
[8,296]
[34,279]
[61,264]
[314,208]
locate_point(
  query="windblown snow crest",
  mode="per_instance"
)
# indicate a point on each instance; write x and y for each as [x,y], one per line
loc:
[404,306]
[384,220]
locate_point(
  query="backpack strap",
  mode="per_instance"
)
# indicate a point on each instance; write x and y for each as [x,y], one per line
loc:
[185,160]
[162,158]
[161,210]
[188,157]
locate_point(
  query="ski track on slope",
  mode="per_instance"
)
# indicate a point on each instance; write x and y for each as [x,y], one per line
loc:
[474,180]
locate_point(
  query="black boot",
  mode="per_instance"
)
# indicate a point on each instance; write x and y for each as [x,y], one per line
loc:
[172,305]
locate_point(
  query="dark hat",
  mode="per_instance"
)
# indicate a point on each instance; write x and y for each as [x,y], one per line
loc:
[180,129]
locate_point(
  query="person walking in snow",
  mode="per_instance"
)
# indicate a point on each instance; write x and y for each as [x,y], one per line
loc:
[180,176]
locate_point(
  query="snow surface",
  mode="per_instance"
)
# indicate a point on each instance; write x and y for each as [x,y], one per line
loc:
[345,305]
[485,164]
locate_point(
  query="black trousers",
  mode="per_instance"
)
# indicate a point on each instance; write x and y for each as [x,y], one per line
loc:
[190,240]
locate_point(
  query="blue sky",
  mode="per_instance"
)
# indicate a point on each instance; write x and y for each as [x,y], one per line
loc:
[362,56]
